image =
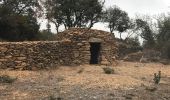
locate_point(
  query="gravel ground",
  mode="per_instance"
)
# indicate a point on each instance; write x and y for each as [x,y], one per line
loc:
[130,81]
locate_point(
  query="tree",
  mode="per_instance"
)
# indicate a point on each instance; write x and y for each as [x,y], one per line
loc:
[146,33]
[45,35]
[163,37]
[18,19]
[164,29]
[74,13]
[118,20]
[133,41]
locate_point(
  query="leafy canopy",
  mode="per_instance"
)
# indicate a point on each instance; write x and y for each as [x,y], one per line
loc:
[118,19]
[74,13]
[18,19]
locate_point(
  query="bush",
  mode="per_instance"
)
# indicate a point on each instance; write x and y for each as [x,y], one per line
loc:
[52,98]
[7,79]
[81,70]
[109,70]
[127,46]
[45,36]
[55,98]
[157,77]
[166,50]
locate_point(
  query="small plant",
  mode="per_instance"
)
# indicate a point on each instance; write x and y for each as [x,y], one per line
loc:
[7,79]
[81,70]
[54,98]
[108,70]
[157,77]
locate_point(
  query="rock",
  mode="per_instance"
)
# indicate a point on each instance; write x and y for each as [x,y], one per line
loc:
[7,57]
[11,64]
[3,60]
[94,97]
[77,62]
[18,62]
[23,64]
[3,49]
[79,44]
[18,67]
[76,54]
[21,58]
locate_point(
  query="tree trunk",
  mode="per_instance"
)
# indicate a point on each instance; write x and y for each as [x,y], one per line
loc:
[120,35]
[57,28]
[111,30]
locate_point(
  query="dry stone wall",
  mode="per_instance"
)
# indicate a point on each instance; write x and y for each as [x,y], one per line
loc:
[39,55]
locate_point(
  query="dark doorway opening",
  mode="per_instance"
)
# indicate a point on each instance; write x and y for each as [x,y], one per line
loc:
[95,53]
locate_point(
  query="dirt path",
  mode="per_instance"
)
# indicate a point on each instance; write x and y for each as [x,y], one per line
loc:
[131,81]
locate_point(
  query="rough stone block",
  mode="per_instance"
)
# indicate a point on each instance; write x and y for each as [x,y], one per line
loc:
[23,64]
[21,58]
[3,49]
[3,60]
[7,57]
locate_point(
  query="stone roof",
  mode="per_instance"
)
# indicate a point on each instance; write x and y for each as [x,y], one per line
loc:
[80,34]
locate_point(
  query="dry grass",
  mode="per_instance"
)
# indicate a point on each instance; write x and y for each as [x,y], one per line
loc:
[37,84]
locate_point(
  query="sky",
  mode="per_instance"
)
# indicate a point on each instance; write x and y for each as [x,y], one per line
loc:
[133,8]
[141,6]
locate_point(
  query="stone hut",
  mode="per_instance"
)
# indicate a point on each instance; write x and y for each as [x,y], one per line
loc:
[90,46]
[73,47]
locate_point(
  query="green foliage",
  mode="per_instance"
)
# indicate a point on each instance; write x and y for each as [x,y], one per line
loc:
[18,28]
[164,29]
[146,33]
[133,41]
[157,77]
[164,47]
[18,20]
[118,20]
[133,45]
[54,98]
[6,79]
[163,37]
[45,36]
[81,71]
[108,70]
[19,6]
[129,45]
[74,13]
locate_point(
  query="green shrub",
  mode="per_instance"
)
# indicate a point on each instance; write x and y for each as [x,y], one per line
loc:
[45,36]
[108,70]
[81,71]
[157,77]
[54,98]
[7,79]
